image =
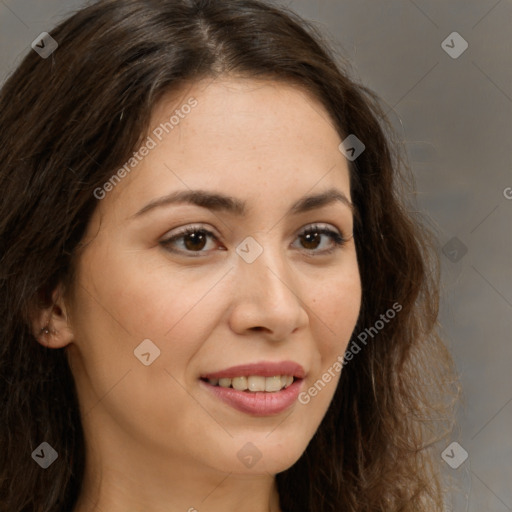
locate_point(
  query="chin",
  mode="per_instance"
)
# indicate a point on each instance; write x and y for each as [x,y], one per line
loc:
[256,455]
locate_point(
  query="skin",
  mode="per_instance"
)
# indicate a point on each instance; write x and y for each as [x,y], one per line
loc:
[156,439]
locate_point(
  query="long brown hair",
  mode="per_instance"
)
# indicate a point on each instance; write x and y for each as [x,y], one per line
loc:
[68,121]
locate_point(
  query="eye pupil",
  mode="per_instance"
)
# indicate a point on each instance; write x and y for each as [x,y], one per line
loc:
[195,238]
[308,237]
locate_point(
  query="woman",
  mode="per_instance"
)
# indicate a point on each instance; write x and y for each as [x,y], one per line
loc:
[213,293]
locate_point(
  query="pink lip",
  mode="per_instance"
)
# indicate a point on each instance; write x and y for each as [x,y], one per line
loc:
[264,369]
[260,403]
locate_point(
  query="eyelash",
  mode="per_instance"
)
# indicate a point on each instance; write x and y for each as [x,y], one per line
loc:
[337,239]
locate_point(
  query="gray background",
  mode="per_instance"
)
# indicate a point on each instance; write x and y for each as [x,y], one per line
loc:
[455,117]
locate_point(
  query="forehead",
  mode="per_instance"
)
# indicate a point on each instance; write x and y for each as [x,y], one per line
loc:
[248,137]
[241,112]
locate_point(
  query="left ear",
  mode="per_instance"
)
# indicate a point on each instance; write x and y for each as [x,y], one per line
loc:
[50,325]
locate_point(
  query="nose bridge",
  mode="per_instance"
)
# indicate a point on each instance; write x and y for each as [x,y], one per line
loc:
[267,268]
[269,297]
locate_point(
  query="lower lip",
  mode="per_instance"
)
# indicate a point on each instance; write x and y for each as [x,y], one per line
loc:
[259,403]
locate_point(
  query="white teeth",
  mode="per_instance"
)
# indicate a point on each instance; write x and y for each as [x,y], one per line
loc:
[273,383]
[239,383]
[255,383]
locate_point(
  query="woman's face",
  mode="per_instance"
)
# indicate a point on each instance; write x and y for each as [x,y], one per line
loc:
[155,312]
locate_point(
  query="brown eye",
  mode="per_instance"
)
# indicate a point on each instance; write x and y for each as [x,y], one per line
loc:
[192,240]
[311,239]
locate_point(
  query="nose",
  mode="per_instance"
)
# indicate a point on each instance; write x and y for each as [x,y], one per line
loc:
[267,297]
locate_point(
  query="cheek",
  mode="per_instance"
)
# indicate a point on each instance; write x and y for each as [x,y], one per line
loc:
[137,292]
[333,316]
[130,299]
[335,308]
[120,304]
[141,296]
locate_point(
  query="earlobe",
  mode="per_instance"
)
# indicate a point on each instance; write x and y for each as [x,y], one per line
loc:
[51,326]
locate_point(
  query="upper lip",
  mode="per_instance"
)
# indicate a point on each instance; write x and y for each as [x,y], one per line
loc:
[264,369]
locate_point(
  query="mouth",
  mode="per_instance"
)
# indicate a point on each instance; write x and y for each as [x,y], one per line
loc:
[259,389]
[254,383]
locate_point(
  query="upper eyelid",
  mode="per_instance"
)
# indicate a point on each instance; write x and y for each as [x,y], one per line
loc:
[338,237]
[198,227]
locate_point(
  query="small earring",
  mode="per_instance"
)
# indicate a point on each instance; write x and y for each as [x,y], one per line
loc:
[45,330]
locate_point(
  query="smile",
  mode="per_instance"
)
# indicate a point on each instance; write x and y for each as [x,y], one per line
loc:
[254,383]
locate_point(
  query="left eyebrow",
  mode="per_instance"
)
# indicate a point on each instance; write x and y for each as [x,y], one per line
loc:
[220,202]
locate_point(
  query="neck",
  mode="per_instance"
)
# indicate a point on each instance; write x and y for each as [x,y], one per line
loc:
[134,480]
